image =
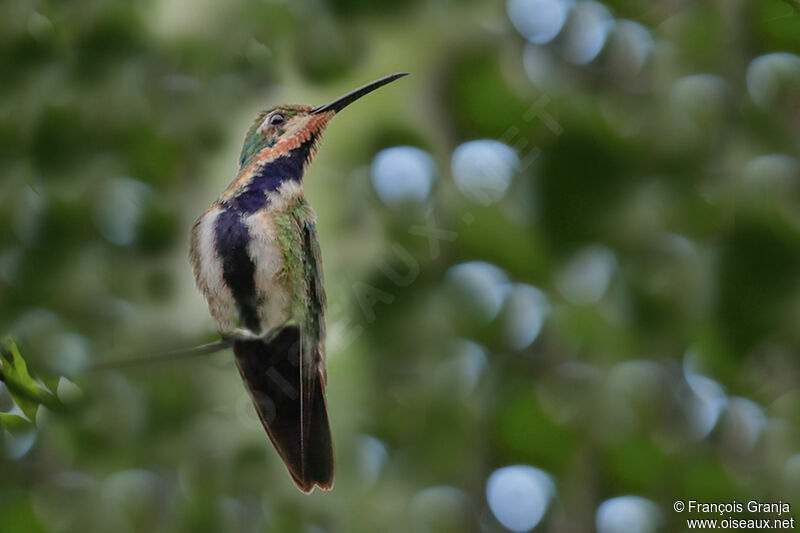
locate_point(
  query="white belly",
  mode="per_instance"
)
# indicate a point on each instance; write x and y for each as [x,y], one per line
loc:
[274,306]
[207,268]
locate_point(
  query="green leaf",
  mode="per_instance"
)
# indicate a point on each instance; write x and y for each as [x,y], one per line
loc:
[17,378]
[15,423]
[25,391]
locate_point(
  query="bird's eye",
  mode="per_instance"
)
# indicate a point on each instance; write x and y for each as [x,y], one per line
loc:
[277,118]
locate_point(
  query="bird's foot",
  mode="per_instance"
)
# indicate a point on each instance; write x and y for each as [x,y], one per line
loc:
[241,334]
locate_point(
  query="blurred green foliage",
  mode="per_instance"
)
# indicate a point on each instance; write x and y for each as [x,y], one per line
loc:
[621,314]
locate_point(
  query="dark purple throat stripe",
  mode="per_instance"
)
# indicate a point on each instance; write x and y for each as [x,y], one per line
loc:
[287,167]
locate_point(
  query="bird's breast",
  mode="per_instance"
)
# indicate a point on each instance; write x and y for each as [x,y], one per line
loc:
[271,287]
[244,258]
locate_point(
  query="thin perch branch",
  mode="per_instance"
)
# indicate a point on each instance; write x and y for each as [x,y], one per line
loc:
[172,355]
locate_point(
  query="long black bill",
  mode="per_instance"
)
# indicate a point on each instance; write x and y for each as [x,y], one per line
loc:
[343,101]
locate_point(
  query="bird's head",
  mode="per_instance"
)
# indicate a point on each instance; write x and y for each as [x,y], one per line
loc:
[283,128]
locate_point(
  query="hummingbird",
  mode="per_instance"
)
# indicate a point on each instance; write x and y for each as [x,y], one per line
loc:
[256,259]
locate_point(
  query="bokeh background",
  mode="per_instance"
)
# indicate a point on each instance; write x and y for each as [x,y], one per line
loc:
[562,260]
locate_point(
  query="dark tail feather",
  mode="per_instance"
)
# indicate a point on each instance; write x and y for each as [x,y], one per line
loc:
[291,405]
